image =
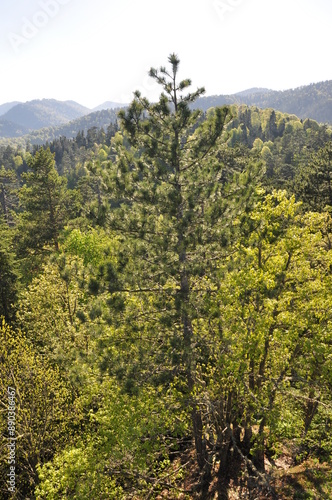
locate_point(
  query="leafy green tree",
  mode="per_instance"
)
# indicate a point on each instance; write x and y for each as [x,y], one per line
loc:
[122,452]
[274,342]
[43,411]
[59,310]
[47,311]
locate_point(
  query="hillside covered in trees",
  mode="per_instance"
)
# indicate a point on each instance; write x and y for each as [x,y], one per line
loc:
[166,304]
[309,101]
[39,121]
[97,119]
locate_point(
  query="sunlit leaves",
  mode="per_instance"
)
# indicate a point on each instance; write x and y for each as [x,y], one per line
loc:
[43,408]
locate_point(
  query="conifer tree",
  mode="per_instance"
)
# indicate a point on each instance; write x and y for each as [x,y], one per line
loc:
[313,182]
[171,201]
[9,184]
[8,272]
[45,202]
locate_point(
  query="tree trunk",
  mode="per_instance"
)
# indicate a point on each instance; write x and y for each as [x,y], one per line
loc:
[223,472]
[259,458]
[310,412]
[4,204]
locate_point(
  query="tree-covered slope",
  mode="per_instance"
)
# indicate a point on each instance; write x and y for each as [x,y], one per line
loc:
[283,142]
[98,119]
[9,129]
[47,119]
[7,106]
[36,114]
[310,101]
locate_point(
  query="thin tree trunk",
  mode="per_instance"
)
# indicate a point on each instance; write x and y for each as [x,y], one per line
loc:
[224,458]
[311,409]
[4,204]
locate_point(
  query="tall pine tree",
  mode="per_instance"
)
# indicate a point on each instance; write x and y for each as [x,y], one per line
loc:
[172,209]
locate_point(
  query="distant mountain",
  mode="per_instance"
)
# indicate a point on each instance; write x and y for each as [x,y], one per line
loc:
[98,119]
[47,119]
[33,115]
[311,101]
[10,129]
[7,106]
[254,90]
[109,105]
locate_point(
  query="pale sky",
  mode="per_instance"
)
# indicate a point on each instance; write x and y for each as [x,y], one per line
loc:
[101,50]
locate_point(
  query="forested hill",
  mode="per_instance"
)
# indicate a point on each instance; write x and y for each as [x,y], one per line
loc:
[7,106]
[36,114]
[43,120]
[284,143]
[98,119]
[18,119]
[311,101]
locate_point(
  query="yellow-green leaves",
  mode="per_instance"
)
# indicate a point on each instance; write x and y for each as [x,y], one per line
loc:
[42,408]
[275,308]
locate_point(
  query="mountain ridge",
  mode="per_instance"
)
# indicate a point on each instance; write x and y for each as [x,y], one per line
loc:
[253,90]
[97,119]
[40,113]
[109,105]
[7,106]
[308,101]
[312,101]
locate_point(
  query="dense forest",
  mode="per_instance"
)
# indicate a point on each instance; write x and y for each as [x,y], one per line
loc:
[309,101]
[166,305]
[12,134]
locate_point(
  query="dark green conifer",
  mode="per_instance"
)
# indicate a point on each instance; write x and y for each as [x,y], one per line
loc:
[172,210]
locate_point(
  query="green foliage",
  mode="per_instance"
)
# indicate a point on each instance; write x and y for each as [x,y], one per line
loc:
[93,246]
[43,409]
[275,320]
[170,303]
[8,273]
[47,312]
[46,205]
[126,452]
[313,182]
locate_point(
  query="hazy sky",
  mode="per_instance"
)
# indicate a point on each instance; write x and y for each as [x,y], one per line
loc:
[91,51]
